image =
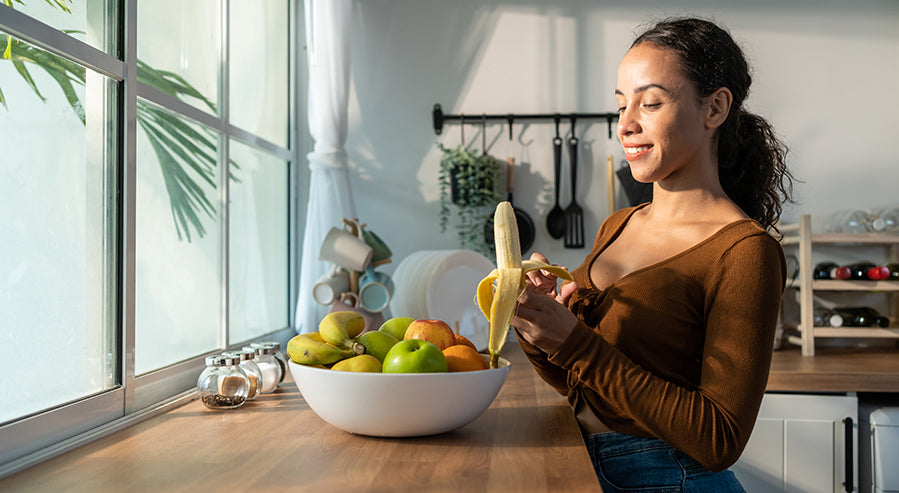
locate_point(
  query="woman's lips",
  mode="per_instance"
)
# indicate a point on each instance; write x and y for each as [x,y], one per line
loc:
[636,152]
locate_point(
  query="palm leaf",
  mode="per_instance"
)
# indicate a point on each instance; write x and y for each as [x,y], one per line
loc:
[185,195]
[186,156]
[170,83]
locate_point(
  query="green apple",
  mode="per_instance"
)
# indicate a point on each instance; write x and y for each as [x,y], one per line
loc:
[396,326]
[414,356]
[377,343]
[361,363]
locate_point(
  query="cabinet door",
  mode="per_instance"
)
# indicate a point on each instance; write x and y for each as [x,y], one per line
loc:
[798,445]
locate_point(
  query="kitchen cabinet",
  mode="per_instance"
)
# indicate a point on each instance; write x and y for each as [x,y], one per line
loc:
[802,443]
[800,236]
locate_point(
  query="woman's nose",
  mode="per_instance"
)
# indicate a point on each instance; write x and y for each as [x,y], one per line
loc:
[627,124]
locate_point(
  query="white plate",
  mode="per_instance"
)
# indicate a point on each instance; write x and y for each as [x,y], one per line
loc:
[451,293]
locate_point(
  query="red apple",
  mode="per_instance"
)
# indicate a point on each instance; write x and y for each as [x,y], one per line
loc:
[414,356]
[437,332]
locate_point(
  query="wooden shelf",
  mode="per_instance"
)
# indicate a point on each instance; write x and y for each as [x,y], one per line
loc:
[846,239]
[863,332]
[836,285]
[800,237]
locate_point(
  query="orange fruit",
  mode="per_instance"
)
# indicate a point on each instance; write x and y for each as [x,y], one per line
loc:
[462,340]
[463,358]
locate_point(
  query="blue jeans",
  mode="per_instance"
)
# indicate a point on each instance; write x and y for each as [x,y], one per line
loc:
[627,463]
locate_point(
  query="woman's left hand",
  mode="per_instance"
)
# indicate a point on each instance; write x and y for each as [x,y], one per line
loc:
[543,319]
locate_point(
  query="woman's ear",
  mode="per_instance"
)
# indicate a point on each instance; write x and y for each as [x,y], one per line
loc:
[719,107]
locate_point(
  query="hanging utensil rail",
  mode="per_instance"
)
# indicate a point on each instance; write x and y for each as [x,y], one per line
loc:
[474,119]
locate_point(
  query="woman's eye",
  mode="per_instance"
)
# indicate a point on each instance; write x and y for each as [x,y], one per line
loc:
[652,106]
[621,109]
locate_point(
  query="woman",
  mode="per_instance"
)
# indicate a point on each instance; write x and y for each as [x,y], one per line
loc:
[663,341]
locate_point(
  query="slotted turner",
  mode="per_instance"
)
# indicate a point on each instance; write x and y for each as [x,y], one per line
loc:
[574,215]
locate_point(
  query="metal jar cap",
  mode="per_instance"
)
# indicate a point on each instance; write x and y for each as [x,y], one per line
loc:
[265,350]
[275,345]
[224,359]
[243,354]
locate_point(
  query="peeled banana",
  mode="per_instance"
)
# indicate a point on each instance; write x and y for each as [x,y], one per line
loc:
[311,349]
[497,294]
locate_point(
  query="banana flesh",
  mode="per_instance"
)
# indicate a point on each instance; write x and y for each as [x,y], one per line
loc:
[497,294]
[311,349]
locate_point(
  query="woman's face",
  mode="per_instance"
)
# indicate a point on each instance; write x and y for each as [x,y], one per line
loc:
[662,119]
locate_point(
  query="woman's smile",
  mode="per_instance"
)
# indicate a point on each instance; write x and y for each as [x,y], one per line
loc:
[634,152]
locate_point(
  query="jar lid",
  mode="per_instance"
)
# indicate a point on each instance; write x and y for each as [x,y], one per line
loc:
[243,354]
[265,350]
[224,359]
[271,344]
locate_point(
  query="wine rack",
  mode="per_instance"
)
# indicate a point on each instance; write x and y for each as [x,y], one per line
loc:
[799,236]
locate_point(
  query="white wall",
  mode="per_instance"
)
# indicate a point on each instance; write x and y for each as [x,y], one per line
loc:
[826,73]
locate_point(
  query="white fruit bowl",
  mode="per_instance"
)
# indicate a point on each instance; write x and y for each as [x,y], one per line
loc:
[398,404]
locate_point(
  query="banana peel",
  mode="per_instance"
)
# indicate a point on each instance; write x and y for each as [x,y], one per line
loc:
[497,294]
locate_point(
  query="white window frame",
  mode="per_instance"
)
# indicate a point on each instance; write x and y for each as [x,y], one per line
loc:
[38,437]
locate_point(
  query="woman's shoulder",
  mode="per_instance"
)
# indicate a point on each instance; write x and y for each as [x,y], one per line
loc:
[746,239]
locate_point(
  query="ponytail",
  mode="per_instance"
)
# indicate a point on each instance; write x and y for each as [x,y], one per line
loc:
[752,167]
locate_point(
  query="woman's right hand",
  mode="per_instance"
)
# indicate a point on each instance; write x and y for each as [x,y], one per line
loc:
[542,316]
[541,280]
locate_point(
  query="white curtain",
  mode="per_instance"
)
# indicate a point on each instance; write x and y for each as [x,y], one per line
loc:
[330,198]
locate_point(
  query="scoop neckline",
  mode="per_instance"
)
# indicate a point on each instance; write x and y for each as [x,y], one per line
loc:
[682,253]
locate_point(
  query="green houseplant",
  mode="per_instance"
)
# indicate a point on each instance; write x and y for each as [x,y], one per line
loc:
[471,184]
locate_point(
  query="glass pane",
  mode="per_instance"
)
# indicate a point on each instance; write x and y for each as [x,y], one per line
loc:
[183,38]
[91,21]
[258,247]
[57,215]
[259,69]
[178,253]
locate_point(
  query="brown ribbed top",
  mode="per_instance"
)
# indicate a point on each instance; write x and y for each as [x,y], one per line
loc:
[678,350]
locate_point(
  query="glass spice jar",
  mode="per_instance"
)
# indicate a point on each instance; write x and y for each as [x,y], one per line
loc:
[249,366]
[271,368]
[223,384]
[279,356]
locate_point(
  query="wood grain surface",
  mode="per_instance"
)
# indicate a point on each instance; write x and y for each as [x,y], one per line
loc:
[528,440]
[835,370]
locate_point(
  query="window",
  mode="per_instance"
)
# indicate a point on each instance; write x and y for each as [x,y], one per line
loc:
[146,199]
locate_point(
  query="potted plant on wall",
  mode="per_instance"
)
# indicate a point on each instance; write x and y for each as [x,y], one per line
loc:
[472,184]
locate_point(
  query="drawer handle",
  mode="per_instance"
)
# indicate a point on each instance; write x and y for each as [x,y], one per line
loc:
[847,442]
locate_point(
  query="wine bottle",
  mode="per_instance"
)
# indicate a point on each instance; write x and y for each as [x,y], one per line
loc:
[862,316]
[886,220]
[824,317]
[894,271]
[850,221]
[823,270]
[859,270]
[830,270]
[841,273]
[878,273]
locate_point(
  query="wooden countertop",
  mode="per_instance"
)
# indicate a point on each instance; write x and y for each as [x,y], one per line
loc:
[528,440]
[835,370]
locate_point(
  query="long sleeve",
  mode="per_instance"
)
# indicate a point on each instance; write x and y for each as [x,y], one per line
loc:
[711,422]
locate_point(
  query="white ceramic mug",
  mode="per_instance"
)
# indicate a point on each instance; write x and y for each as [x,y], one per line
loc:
[375,290]
[330,286]
[345,250]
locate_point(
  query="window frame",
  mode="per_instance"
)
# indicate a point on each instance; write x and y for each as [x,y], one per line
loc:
[32,439]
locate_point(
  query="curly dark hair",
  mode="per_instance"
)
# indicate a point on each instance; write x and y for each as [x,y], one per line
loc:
[751,158]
